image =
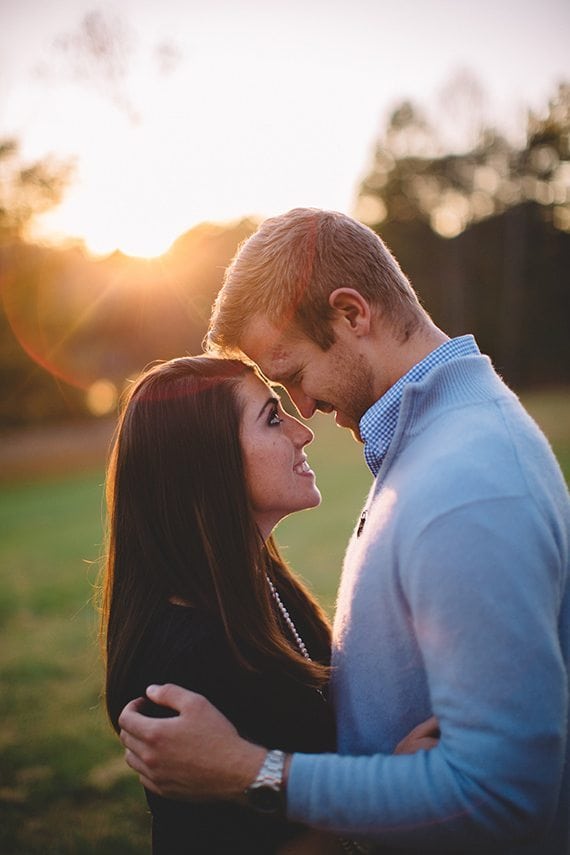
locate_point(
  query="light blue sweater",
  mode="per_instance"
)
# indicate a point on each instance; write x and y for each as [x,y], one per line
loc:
[453,601]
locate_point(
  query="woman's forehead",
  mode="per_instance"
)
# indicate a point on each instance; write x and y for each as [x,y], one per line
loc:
[253,387]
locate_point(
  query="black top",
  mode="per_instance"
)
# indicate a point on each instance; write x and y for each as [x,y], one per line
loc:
[189,648]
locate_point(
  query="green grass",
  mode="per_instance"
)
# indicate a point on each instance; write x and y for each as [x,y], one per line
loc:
[63,785]
[61,788]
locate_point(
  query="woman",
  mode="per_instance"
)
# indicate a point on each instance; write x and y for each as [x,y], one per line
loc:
[204,465]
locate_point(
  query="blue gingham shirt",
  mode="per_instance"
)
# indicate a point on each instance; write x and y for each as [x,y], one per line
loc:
[378,423]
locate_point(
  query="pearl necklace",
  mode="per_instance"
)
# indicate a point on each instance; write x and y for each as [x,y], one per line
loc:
[288,620]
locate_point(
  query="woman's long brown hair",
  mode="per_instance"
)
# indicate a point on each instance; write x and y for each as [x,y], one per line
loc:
[180,525]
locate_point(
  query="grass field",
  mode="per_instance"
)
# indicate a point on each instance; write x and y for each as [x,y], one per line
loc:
[63,785]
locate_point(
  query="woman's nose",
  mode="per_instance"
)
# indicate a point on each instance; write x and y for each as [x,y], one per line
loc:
[303,435]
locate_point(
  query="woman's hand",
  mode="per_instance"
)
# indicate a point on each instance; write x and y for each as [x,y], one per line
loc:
[423,737]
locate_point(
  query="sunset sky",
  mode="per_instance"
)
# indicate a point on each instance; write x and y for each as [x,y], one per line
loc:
[179,111]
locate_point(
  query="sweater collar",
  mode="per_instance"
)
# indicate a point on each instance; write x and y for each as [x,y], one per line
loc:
[378,424]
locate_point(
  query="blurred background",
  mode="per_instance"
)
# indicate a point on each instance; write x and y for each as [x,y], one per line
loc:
[140,143]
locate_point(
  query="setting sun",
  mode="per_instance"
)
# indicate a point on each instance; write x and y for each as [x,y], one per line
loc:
[125,226]
[187,116]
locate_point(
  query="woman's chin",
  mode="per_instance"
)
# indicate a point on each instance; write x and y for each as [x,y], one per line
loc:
[314,502]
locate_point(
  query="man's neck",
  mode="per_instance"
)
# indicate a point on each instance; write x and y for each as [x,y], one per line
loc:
[392,357]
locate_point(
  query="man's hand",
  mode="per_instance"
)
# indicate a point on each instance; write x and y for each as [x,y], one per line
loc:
[196,755]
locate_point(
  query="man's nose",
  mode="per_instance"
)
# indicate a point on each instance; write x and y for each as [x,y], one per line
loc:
[305,405]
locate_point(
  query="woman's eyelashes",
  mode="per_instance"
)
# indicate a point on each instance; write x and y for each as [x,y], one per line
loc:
[274,417]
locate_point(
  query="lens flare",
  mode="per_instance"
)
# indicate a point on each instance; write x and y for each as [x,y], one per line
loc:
[47,315]
[102,397]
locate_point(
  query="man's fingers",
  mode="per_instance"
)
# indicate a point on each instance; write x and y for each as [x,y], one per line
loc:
[173,756]
[138,767]
[172,696]
[133,720]
[131,743]
[130,714]
[133,760]
[148,784]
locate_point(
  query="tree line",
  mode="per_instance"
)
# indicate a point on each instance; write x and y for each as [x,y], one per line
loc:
[483,234]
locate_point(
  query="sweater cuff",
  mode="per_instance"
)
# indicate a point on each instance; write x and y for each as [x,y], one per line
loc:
[301,773]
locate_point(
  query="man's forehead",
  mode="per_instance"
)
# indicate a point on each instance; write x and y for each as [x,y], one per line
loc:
[279,353]
[276,362]
[268,346]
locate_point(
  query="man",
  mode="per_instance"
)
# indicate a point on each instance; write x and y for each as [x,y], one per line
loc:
[454,598]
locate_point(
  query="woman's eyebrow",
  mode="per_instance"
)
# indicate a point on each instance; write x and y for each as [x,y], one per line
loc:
[270,402]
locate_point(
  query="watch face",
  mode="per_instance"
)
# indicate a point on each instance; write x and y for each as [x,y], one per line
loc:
[265,799]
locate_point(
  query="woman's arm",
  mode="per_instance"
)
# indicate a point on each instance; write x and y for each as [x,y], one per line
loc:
[423,737]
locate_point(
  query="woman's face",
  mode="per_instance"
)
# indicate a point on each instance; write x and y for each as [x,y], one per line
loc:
[278,476]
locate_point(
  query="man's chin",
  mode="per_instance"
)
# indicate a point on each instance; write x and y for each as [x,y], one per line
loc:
[346,422]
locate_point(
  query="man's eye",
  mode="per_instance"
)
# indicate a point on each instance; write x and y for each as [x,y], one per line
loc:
[274,418]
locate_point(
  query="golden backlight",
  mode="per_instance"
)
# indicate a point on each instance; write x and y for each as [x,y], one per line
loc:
[177,113]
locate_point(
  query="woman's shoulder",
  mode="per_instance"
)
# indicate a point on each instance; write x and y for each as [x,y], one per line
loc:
[189,647]
[185,633]
[185,623]
[181,645]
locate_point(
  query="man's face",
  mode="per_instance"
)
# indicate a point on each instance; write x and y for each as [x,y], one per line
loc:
[335,380]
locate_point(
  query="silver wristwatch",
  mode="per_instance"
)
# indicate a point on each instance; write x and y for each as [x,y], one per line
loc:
[266,794]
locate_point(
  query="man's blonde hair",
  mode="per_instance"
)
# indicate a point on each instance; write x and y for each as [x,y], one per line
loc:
[288,268]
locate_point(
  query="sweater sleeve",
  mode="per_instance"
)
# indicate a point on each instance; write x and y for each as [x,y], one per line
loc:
[483,585]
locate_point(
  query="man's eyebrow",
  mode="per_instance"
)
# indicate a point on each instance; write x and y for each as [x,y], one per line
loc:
[273,401]
[280,366]
[289,375]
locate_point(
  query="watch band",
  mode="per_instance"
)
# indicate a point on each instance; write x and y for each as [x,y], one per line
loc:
[265,793]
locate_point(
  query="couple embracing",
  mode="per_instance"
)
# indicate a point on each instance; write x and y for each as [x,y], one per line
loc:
[434,716]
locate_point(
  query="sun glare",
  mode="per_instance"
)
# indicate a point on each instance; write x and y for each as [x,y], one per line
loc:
[104,232]
[136,243]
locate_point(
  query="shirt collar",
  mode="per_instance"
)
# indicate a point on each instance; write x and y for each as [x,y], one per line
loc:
[378,424]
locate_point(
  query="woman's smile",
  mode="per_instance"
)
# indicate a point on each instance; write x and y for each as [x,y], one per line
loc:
[279,478]
[303,468]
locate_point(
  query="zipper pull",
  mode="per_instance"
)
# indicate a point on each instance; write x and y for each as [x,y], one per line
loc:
[361,522]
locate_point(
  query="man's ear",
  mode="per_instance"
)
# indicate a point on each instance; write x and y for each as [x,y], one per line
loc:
[351,308]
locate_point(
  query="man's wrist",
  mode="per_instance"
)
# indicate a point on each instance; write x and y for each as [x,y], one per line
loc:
[286,768]
[245,763]
[266,791]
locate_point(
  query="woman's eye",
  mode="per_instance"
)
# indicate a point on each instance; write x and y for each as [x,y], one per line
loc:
[274,418]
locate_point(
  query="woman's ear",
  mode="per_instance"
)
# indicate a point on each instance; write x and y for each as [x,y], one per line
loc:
[351,308]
